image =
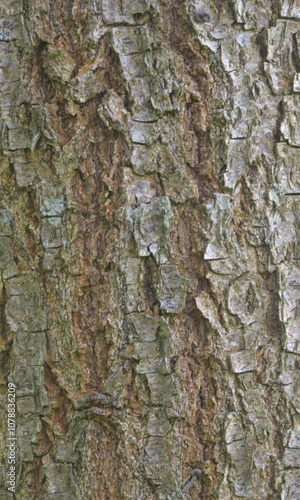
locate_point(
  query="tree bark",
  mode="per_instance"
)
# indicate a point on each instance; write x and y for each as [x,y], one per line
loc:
[149,248]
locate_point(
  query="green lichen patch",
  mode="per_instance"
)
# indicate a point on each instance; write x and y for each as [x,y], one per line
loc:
[58,64]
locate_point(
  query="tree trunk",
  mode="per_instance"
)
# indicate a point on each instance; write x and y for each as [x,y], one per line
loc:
[149,248]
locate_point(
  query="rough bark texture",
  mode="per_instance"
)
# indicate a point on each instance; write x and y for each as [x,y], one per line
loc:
[150,246]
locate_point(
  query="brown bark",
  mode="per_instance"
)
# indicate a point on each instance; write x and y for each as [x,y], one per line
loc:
[149,248]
